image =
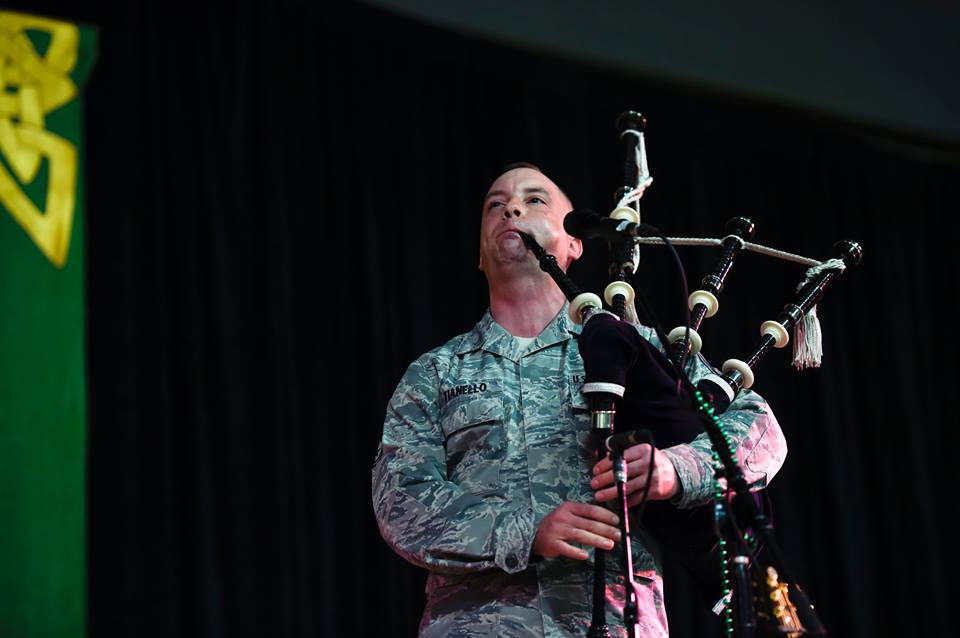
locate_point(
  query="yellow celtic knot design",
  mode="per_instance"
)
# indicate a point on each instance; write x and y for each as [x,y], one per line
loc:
[31,86]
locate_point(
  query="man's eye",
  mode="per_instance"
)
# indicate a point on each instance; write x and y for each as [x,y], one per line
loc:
[535,200]
[494,204]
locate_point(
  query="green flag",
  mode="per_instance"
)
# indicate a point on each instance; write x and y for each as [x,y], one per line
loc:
[44,64]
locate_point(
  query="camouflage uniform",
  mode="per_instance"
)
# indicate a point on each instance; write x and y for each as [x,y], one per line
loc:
[482,439]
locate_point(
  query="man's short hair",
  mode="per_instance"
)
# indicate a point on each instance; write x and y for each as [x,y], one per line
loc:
[515,165]
[512,166]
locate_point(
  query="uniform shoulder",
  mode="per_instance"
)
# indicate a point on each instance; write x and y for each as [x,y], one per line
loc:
[437,358]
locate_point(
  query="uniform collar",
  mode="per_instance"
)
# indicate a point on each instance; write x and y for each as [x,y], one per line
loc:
[491,336]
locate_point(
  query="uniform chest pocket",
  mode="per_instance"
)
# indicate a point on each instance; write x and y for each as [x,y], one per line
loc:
[579,406]
[475,436]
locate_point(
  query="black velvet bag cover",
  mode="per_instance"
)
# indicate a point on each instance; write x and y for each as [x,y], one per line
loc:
[613,351]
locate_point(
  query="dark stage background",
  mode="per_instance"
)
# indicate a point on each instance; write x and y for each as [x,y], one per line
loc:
[283,213]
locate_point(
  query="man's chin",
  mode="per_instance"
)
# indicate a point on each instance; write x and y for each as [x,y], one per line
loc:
[518,264]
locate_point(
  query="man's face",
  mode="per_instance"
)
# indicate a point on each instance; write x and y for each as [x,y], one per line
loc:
[524,200]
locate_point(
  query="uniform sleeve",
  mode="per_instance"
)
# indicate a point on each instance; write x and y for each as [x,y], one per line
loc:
[760,446]
[427,519]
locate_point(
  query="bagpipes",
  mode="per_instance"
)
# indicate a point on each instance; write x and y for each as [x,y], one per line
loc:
[630,380]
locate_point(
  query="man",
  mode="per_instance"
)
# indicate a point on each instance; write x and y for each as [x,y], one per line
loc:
[486,474]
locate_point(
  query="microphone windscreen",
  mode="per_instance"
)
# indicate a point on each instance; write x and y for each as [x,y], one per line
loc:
[576,221]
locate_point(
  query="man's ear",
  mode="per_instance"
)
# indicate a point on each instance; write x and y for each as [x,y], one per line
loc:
[575,249]
[480,265]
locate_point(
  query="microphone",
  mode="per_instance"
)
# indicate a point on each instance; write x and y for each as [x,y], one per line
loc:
[586,224]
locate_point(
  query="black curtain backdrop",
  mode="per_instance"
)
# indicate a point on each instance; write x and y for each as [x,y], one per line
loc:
[283,210]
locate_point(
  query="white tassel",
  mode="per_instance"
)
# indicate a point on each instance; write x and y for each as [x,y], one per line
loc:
[807,342]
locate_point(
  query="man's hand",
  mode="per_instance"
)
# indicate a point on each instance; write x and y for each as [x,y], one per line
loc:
[578,522]
[664,484]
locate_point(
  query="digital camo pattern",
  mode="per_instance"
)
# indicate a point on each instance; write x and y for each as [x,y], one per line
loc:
[482,439]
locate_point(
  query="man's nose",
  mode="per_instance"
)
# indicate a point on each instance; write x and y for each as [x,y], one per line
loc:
[513,209]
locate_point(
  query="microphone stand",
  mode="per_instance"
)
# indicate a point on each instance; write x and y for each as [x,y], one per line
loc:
[745,505]
[744,596]
[740,597]
[630,606]
[631,610]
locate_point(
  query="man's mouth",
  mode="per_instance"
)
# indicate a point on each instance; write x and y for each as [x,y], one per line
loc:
[511,230]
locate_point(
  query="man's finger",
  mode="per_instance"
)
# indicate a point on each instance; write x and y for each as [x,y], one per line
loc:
[635,452]
[598,528]
[638,467]
[606,495]
[594,512]
[635,486]
[603,465]
[584,537]
[602,480]
[566,549]
[634,469]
